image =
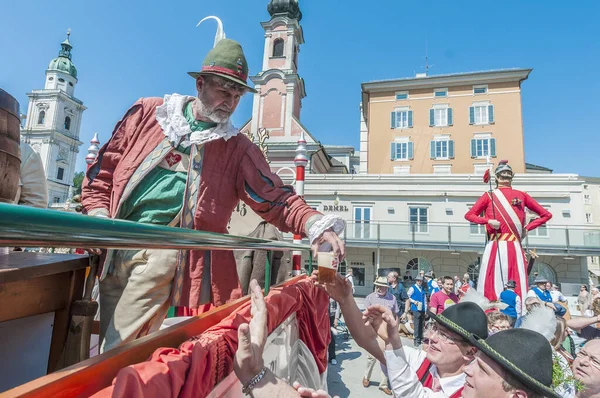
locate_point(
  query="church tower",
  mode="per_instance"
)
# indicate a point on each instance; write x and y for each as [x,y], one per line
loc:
[280,88]
[53,123]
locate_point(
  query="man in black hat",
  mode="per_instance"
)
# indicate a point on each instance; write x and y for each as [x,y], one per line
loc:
[436,372]
[512,300]
[417,305]
[540,291]
[511,363]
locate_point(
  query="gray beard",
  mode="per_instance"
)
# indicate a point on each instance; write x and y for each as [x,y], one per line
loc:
[211,115]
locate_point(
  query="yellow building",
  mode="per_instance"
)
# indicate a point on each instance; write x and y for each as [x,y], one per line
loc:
[445,124]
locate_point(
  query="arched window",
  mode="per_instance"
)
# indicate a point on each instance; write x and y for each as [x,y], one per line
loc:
[473,271]
[67,123]
[42,117]
[543,270]
[418,264]
[278,48]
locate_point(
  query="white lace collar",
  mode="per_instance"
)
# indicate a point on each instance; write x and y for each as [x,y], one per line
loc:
[170,117]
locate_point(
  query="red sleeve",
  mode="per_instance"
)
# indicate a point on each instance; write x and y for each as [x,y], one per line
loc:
[479,207]
[266,194]
[97,185]
[534,206]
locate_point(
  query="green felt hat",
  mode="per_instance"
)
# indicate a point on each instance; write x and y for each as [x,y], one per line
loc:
[226,60]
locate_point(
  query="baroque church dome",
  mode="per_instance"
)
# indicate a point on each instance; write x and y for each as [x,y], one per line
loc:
[289,8]
[63,62]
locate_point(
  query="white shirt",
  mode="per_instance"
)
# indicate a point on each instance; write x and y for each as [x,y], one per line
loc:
[402,366]
[411,290]
[557,296]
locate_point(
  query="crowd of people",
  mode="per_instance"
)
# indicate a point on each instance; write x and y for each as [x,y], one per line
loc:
[468,349]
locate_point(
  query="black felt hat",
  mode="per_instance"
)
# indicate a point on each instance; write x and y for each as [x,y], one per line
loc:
[511,283]
[514,350]
[463,319]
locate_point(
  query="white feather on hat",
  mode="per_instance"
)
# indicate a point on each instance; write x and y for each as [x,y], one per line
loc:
[541,320]
[220,35]
[478,298]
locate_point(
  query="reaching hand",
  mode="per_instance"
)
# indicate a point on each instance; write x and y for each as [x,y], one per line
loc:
[383,322]
[494,224]
[252,338]
[330,237]
[340,290]
[309,392]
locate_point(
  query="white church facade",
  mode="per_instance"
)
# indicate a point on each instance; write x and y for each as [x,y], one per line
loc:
[53,124]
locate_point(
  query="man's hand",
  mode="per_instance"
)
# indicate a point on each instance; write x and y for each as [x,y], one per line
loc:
[383,321]
[330,237]
[340,290]
[494,224]
[309,392]
[252,338]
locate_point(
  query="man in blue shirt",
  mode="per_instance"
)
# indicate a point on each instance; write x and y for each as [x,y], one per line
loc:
[512,299]
[543,294]
[398,290]
[416,304]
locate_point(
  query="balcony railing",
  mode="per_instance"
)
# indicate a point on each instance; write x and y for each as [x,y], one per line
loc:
[548,240]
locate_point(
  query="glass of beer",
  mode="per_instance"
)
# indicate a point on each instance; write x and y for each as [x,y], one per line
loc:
[328,265]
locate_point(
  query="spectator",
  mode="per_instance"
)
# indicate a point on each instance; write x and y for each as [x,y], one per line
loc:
[383,297]
[398,290]
[465,286]
[439,370]
[432,285]
[586,368]
[444,298]
[545,296]
[530,304]
[457,284]
[561,334]
[503,366]
[513,300]
[467,279]
[557,296]
[583,325]
[416,304]
[407,276]
[334,316]
[584,299]
[595,293]
[497,321]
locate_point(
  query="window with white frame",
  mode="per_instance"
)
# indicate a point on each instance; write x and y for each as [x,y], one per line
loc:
[482,146]
[401,95]
[588,218]
[418,219]
[481,113]
[362,222]
[442,169]
[481,89]
[402,149]
[587,199]
[542,230]
[442,147]
[440,92]
[402,118]
[440,117]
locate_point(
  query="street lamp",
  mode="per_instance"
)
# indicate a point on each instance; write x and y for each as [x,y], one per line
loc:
[336,201]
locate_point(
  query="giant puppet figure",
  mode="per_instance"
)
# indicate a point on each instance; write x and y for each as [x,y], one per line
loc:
[504,217]
[179,161]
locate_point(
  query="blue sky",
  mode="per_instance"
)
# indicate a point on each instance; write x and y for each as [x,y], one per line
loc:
[124,50]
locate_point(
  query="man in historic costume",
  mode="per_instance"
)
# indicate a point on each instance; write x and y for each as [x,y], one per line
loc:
[504,216]
[179,161]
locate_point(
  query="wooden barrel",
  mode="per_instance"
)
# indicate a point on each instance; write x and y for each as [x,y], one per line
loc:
[10,152]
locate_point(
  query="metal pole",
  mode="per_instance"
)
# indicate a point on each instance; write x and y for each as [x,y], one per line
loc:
[268,273]
[300,161]
[310,263]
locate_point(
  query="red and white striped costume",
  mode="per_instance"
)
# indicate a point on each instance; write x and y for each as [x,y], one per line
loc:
[503,250]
